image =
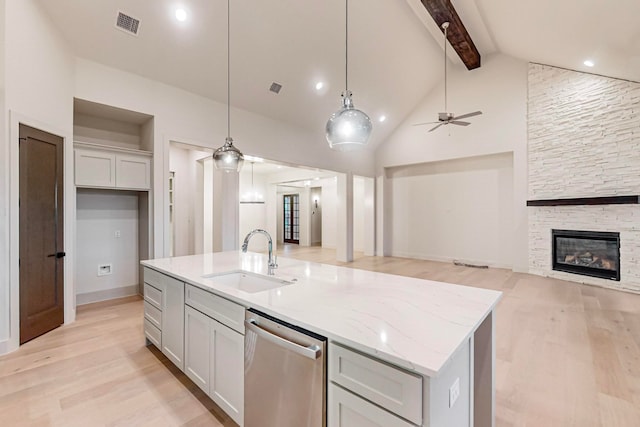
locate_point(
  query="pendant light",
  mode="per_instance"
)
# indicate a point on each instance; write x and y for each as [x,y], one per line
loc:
[253,197]
[228,158]
[348,128]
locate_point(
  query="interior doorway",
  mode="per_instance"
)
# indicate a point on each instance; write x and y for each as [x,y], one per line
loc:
[291,215]
[41,232]
[316,216]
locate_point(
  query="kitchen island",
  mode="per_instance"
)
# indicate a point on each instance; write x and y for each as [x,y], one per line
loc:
[441,334]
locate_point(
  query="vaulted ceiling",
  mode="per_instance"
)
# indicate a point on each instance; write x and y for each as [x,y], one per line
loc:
[395,55]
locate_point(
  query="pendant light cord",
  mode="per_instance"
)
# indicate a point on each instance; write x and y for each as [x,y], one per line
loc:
[346,46]
[228,69]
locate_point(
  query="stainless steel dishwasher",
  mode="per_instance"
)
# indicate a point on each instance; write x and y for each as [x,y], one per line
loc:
[284,374]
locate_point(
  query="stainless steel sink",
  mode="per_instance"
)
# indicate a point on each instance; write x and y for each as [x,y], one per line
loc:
[246,281]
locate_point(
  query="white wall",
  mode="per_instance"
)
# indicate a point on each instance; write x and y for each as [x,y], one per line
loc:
[183,116]
[38,79]
[499,90]
[454,210]
[100,215]
[4,194]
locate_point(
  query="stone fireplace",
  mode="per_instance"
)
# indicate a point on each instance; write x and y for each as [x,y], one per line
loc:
[584,175]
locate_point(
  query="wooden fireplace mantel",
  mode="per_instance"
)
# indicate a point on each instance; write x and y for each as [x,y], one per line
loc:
[608,200]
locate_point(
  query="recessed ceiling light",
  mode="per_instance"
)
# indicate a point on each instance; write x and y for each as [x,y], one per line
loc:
[589,63]
[181,15]
[319,85]
[382,118]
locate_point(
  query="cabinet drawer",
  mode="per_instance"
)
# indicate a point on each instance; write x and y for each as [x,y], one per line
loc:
[159,280]
[224,311]
[393,388]
[153,334]
[153,296]
[345,409]
[153,315]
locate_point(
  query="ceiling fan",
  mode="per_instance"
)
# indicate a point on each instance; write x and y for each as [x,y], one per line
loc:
[446,117]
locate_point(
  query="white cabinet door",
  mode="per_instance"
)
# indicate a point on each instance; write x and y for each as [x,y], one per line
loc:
[133,171]
[345,409]
[173,320]
[95,168]
[196,347]
[227,370]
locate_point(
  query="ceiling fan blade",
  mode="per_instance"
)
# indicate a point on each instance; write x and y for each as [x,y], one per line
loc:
[456,122]
[464,116]
[436,127]
[425,123]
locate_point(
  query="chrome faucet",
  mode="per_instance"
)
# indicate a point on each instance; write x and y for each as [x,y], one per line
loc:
[272,259]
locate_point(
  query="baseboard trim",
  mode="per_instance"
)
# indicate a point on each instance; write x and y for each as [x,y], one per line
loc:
[436,258]
[107,294]
[7,346]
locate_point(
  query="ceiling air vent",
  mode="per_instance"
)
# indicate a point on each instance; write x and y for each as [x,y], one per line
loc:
[275,87]
[127,23]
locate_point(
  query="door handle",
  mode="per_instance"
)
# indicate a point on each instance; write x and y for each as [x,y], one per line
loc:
[57,255]
[312,352]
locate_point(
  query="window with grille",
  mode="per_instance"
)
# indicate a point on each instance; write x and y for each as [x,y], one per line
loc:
[291,216]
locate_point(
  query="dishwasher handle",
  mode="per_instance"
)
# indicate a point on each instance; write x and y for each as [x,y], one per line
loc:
[312,352]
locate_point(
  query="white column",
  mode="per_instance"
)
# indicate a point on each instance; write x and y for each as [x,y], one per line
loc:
[230,200]
[207,228]
[369,217]
[226,211]
[344,239]
[271,206]
[305,217]
[383,215]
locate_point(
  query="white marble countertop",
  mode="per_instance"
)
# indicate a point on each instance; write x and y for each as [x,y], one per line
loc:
[413,323]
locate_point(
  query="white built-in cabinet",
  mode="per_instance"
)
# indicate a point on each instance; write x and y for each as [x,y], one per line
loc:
[169,337]
[197,347]
[366,392]
[173,321]
[226,370]
[346,409]
[214,349]
[101,166]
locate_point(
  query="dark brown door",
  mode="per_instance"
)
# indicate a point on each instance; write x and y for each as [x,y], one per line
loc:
[41,233]
[291,216]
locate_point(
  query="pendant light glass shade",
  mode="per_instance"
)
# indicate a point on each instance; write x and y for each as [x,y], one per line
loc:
[348,128]
[228,158]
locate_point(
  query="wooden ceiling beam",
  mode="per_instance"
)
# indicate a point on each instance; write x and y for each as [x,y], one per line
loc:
[443,11]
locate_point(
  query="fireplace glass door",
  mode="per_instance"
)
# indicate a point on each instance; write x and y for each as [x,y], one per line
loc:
[590,253]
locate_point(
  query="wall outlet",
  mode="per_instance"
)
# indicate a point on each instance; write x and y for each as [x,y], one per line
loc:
[118,234]
[454,392]
[104,269]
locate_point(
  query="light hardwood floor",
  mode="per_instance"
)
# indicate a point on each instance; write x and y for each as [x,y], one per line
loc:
[566,355]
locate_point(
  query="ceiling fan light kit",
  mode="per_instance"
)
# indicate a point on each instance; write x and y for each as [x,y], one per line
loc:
[447,118]
[228,158]
[348,128]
